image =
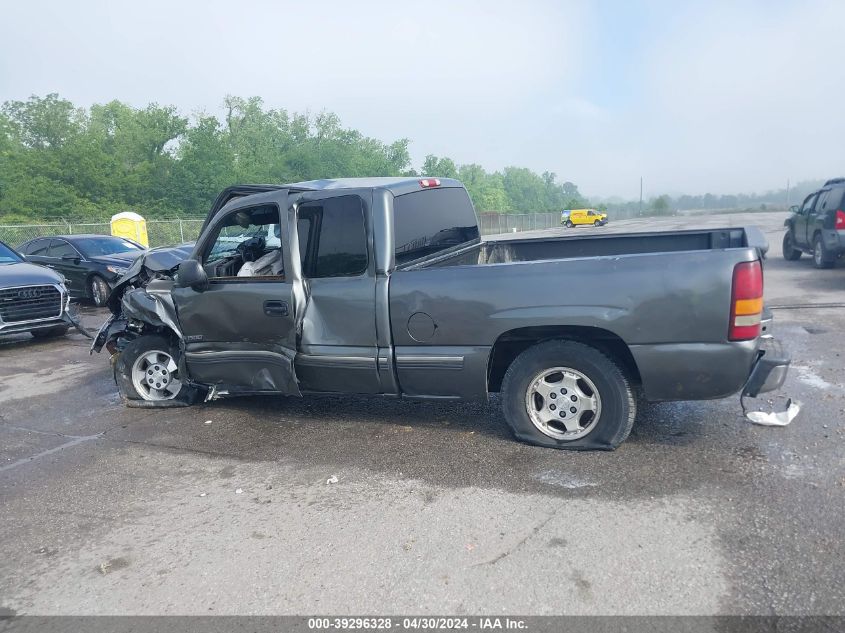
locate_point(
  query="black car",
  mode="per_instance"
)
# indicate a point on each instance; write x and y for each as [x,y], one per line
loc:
[818,226]
[91,264]
[32,298]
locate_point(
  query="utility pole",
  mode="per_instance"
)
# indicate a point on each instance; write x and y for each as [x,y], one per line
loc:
[787,193]
[641,195]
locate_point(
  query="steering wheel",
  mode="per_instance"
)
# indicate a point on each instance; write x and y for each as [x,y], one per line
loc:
[252,249]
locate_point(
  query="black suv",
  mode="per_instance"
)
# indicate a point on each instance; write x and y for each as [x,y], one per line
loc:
[818,226]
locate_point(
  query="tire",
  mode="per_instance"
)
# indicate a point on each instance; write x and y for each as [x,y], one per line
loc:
[147,359]
[821,258]
[50,332]
[790,253]
[605,417]
[569,224]
[98,290]
[597,223]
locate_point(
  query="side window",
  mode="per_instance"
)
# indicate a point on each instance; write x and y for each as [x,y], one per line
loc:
[808,204]
[38,248]
[60,248]
[247,245]
[333,237]
[821,205]
[836,201]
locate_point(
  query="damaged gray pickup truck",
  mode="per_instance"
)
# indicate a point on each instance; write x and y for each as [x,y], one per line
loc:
[383,286]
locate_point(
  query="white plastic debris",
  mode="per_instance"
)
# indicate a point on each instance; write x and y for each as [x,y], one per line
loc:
[239,491]
[780,418]
[332,480]
[208,421]
[202,494]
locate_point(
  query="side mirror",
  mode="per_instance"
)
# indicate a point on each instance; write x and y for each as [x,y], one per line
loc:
[794,208]
[191,275]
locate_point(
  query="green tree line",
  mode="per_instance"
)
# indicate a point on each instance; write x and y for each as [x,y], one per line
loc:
[58,160]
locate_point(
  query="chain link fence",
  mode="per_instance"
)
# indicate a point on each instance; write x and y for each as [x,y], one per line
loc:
[493,223]
[159,232]
[169,232]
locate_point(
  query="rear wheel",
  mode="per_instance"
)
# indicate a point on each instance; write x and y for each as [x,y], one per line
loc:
[789,251]
[563,394]
[147,370]
[569,224]
[98,290]
[821,257]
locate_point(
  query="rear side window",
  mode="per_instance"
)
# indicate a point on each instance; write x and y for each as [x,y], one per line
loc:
[430,221]
[38,247]
[333,237]
[835,200]
[60,248]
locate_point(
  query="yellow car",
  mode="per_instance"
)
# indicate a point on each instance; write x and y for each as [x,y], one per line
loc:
[576,217]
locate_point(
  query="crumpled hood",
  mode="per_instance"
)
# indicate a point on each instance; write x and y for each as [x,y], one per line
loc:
[162,260]
[26,274]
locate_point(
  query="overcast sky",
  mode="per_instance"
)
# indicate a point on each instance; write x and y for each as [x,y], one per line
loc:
[720,97]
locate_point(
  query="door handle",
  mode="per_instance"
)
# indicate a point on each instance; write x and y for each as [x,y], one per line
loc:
[275,308]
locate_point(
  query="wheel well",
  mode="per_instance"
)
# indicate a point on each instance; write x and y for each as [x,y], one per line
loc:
[512,343]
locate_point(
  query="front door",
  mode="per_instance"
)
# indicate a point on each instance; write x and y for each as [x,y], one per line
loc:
[240,332]
[802,236]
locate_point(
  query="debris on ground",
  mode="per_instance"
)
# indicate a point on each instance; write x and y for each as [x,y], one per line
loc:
[332,480]
[780,418]
[202,494]
[239,491]
[208,421]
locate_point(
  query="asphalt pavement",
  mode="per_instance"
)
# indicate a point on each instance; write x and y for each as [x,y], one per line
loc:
[224,508]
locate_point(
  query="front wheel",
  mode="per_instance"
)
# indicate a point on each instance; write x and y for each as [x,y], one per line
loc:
[790,253]
[564,394]
[821,257]
[147,370]
[597,223]
[98,290]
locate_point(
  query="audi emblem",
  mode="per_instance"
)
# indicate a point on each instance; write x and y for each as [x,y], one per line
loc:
[29,293]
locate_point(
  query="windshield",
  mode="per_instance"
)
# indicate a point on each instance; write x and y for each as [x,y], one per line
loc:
[8,256]
[106,245]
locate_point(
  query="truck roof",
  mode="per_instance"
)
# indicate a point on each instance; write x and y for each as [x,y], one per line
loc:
[396,185]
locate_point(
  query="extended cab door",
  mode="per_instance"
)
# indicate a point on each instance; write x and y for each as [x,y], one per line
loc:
[240,331]
[338,349]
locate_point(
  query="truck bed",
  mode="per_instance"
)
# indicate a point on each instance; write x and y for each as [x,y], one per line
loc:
[664,296]
[608,245]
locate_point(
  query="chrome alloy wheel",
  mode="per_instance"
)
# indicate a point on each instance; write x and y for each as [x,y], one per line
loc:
[563,403]
[155,376]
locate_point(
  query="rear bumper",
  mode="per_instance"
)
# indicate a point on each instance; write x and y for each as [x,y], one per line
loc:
[834,241]
[769,370]
[707,371]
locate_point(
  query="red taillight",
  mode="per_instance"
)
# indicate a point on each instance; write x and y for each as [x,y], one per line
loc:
[840,220]
[746,301]
[429,182]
